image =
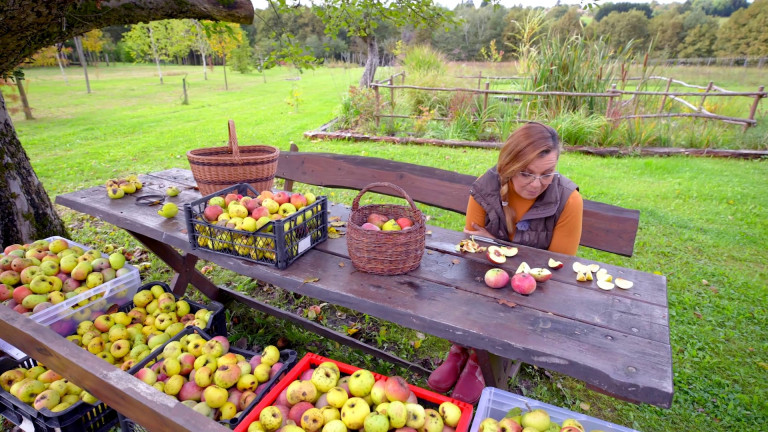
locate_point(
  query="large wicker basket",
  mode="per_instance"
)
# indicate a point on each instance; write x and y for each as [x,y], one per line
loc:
[385,252]
[216,168]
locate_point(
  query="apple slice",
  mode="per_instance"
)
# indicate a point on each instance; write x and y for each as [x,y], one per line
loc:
[594,267]
[555,264]
[623,283]
[540,274]
[508,251]
[495,255]
[578,267]
[581,276]
[588,274]
[602,275]
[523,268]
[605,285]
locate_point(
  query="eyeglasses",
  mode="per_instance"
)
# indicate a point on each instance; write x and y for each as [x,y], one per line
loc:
[545,179]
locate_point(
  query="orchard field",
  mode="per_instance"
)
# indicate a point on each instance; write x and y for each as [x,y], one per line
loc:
[702,221]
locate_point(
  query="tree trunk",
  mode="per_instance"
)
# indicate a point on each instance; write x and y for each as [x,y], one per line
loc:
[154,53]
[24,100]
[79,47]
[224,65]
[27,213]
[61,66]
[371,63]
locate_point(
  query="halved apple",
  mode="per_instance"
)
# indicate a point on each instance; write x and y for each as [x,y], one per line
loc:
[523,268]
[495,255]
[578,267]
[540,274]
[602,275]
[605,285]
[555,264]
[508,251]
[623,283]
[594,267]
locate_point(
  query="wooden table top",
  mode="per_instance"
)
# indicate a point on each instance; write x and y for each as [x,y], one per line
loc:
[616,341]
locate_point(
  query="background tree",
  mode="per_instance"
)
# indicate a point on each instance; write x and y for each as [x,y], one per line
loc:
[607,8]
[163,40]
[568,24]
[26,210]
[621,28]
[242,57]
[93,43]
[744,32]
[721,8]
[668,32]
[223,38]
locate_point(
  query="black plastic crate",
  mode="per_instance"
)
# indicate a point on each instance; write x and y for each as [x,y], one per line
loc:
[278,243]
[80,417]
[288,357]
[217,324]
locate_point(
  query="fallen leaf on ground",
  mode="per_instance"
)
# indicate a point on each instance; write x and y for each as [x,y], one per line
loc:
[506,303]
[338,224]
[341,264]
[455,261]
[311,279]
[352,331]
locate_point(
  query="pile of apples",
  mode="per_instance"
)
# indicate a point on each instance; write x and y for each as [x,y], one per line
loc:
[322,400]
[118,187]
[249,214]
[536,420]
[126,338]
[207,377]
[525,278]
[40,388]
[40,274]
[379,222]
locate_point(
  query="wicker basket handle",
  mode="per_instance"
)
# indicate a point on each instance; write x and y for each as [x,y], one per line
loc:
[403,193]
[233,147]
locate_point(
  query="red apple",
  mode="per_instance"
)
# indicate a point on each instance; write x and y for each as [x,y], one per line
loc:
[212,212]
[260,212]
[281,197]
[496,278]
[370,227]
[231,197]
[495,255]
[404,222]
[298,200]
[252,204]
[377,219]
[523,283]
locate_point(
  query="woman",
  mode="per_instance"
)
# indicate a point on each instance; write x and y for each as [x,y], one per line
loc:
[524,200]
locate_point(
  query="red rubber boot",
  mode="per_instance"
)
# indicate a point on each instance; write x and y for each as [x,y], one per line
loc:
[471,382]
[442,379]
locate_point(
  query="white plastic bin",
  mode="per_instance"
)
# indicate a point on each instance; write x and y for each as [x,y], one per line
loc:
[496,403]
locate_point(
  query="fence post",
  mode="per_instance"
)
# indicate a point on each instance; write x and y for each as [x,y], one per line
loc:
[392,93]
[479,78]
[485,97]
[610,101]
[376,113]
[664,97]
[709,87]
[753,109]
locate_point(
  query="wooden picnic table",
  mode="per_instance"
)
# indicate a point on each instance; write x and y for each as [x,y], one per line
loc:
[616,341]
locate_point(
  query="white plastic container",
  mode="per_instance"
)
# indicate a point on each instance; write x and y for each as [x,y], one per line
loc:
[64,317]
[496,403]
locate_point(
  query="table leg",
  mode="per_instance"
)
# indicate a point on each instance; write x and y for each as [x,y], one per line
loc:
[496,370]
[183,265]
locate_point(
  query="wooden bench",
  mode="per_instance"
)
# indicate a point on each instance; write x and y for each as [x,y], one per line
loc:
[605,227]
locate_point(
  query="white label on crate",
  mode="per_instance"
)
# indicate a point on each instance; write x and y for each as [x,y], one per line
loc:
[304,244]
[11,350]
[27,425]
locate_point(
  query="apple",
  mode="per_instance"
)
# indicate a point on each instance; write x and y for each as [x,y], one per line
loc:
[360,384]
[391,225]
[508,424]
[623,283]
[217,200]
[540,274]
[370,227]
[489,425]
[605,285]
[377,219]
[286,209]
[508,251]
[555,264]
[404,222]
[212,212]
[281,197]
[523,268]
[231,197]
[495,255]
[354,411]
[252,204]
[537,419]
[523,283]
[271,205]
[396,388]
[298,200]
[450,412]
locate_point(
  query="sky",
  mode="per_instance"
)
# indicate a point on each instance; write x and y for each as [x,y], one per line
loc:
[261,4]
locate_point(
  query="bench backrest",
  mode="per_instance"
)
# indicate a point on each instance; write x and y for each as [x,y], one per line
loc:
[605,227]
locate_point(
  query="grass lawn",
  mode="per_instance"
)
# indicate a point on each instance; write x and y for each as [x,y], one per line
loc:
[702,225]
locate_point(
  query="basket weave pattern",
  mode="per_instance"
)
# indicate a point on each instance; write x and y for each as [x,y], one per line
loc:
[216,168]
[385,252]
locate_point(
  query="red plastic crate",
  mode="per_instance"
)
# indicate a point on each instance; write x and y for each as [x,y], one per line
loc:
[311,360]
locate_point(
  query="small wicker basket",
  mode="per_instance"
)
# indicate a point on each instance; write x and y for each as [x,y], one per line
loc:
[385,252]
[216,168]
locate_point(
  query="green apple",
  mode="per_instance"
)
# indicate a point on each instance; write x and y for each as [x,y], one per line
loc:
[360,383]
[375,422]
[354,411]
[390,225]
[537,419]
[324,378]
[271,417]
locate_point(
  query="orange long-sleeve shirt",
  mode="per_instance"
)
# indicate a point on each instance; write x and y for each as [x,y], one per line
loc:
[567,234]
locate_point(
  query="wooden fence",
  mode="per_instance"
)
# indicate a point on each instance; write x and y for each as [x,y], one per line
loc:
[615,103]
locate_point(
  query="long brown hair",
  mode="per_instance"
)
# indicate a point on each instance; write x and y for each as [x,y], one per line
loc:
[530,141]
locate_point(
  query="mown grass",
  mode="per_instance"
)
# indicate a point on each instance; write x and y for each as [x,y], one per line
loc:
[702,225]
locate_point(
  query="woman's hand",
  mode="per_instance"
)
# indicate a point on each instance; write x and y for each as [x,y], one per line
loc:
[479,231]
